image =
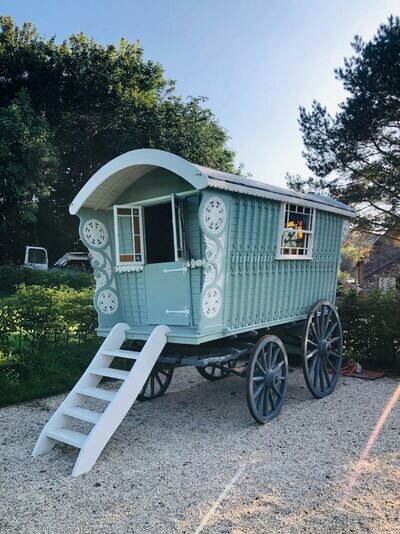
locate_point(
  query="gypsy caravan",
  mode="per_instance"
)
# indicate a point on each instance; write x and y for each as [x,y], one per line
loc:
[188,255]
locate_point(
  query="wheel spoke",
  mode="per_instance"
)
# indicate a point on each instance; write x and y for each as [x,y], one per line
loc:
[159,380]
[260,367]
[322,322]
[328,318]
[325,371]
[314,371]
[330,363]
[312,353]
[265,402]
[275,356]
[257,378]
[258,391]
[316,334]
[335,354]
[312,342]
[264,358]
[269,356]
[271,400]
[331,330]
[321,376]
[276,391]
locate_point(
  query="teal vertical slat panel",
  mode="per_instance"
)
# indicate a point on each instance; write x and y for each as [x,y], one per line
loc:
[262,289]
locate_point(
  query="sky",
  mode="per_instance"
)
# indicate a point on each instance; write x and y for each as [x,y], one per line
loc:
[257,61]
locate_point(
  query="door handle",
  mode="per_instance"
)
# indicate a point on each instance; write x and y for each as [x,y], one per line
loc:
[185,312]
[181,270]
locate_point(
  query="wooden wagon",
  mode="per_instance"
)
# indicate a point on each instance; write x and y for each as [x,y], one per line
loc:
[203,268]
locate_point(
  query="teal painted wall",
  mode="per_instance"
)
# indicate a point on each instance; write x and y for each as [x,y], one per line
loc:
[262,289]
[240,284]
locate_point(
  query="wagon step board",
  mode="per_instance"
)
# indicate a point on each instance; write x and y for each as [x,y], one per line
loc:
[118,401]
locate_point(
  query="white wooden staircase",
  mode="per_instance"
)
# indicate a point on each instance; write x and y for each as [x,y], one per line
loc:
[119,401]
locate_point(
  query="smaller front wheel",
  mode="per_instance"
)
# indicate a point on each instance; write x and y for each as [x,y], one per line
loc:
[157,383]
[216,372]
[267,377]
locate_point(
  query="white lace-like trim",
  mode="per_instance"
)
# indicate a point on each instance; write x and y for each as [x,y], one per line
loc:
[107,301]
[211,302]
[214,215]
[193,264]
[95,233]
[129,268]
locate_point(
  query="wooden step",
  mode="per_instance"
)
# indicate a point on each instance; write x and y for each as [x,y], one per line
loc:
[97,393]
[70,437]
[110,373]
[130,354]
[83,414]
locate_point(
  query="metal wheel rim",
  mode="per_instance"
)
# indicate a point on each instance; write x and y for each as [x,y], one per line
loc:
[157,383]
[213,373]
[267,378]
[322,349]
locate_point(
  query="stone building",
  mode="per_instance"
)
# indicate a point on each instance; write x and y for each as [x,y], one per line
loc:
[380,269]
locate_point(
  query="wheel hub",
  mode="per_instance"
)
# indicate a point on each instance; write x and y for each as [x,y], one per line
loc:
[324,347]
[272,378]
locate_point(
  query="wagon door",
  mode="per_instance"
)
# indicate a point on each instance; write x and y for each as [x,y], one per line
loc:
[166,278]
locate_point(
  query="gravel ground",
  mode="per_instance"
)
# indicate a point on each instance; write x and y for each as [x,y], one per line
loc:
[172,458]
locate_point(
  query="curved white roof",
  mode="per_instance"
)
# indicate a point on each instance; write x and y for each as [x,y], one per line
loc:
[109,182]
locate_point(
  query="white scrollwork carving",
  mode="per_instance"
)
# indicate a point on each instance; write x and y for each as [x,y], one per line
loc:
[101,279]
[210,273]
[96,259]
[95,233]
[214,215]
[108,269]
[211,249]
[211,302]
[107,301]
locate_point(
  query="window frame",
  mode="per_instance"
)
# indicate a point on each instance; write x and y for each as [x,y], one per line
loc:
[116,207]
[282,228]
[178,228]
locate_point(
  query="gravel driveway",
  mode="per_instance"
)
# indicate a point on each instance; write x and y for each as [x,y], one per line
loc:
[195,459]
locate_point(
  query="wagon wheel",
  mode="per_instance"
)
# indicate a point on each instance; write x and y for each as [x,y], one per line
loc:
[322,349]
[266,382]
[216,372]
[157,383]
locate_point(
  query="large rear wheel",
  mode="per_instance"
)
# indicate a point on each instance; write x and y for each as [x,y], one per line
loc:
[322,349]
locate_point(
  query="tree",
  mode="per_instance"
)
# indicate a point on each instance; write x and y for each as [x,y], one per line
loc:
[28,162]
[100,101]
[355,154]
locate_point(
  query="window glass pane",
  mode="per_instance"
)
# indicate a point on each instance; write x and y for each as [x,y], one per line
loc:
[296,234]
[125,258]
[125,235]
[136,227]
[36,256]
[123,211]
[138,249]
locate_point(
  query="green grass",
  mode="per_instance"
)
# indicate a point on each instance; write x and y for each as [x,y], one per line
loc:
[43,374]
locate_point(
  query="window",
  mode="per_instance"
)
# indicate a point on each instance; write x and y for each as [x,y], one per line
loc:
[159,226]
[177,221]
[296,232]
[128,235]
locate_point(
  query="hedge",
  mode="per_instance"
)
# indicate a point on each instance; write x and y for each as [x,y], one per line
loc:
[37,317]
[11,277]
[371,327]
